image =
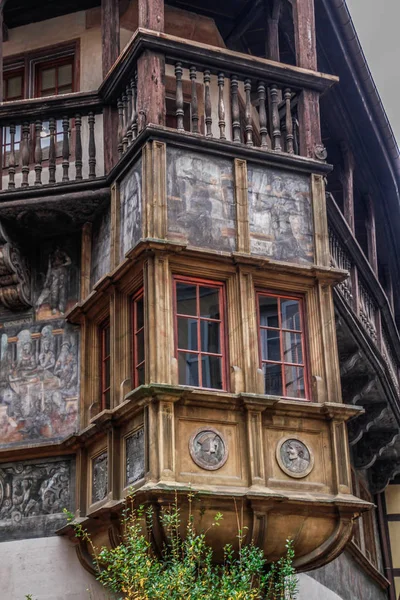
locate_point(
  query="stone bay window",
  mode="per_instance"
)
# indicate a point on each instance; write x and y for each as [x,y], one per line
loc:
[206,298]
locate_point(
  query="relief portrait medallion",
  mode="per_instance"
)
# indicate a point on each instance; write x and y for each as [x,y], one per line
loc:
[294,457]
[208,449]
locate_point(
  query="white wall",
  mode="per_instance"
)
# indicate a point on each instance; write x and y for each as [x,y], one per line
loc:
[309,589]
[47,568]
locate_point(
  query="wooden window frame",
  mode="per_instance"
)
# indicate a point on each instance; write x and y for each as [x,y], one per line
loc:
[302,332]
[221,287]
[53,63]
[105,363]
[139,295]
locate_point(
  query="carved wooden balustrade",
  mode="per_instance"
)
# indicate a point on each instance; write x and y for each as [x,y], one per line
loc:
[46,141]
[213,93]
[362,291]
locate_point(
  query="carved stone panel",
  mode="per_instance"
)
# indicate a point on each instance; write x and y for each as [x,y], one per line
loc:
[39,382]
[15,275]
[134,453]
[280,214]
[131,208]
[201,207]
[101,247]
[208,449]
[33,495]
[99,477]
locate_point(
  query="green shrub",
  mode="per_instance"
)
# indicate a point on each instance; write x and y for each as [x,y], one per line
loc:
[186,568]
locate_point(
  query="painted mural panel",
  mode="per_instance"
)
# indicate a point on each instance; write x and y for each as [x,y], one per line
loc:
[33,495]
[201,206]
[280,214]
[131,208]
[99,477]
[39,382]
[134,452]
[101,246]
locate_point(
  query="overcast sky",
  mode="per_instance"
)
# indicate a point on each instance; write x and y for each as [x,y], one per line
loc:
[377,23]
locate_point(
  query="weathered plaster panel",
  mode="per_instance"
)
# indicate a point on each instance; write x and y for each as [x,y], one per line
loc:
[101,240]
[131,208]
[280,214]
[201,206]
[33,495]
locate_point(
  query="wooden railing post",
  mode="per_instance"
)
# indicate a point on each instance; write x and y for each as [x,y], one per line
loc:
[348,185]
[371,235]
[110,51]
[151,68]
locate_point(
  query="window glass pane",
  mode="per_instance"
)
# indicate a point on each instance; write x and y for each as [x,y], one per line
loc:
[293,351]
[186,299]
[65,75]
[211,372]
[273,379]
[188,365]
[65,89]
[294,382]
[209,303]
[139,313]
[106,334]
[106,399]
[13,87]
[107,374]
[187,334]
[268,311]
[140,375]
[270,345]
[48,79]
[209,332]
[290,314]
[140,347]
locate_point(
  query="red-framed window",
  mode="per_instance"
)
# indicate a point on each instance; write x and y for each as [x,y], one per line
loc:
[200,332]
[105,364]
[54,77]
[138,346]
[13,89]
[282,344]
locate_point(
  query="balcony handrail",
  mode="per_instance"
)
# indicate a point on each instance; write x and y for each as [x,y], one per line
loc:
[360,261]
[68,104]
[208,57]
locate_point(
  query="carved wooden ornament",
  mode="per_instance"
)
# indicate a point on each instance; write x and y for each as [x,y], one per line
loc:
[208,449]
[15,292]
[294,457]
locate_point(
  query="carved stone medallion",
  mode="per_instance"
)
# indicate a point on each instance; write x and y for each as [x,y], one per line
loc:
[208,449]
[99,477]
[134,452]
[294,457]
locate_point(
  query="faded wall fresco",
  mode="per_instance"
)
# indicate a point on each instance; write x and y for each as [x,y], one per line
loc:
[131,208]
[101,246]
[33,495]
[201,206]
[280,214]
[39,381]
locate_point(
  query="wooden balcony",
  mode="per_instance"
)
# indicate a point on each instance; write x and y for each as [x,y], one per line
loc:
[369,348]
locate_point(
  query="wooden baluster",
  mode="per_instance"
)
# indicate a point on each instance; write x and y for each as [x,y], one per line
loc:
[179,97]
[125,123]
[194,103]
[11,158]
[25,154]
[296,143]
[92,147]
[78,148]
[249,121]
[276,125]
[235,109]
[207,103]
[221,106]
[52,150]
[65,149]
[38,152]
[120,127]
[262,111]
[129,133]
[289,122]
[134,106]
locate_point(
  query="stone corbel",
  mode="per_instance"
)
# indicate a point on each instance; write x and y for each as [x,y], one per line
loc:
[15,278]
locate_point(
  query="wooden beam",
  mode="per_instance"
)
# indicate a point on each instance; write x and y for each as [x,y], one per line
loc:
[2,3]
[273,16]
[371,235]
[109,33]
[304,34]
[151,14]
[348,185]
[246,17]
